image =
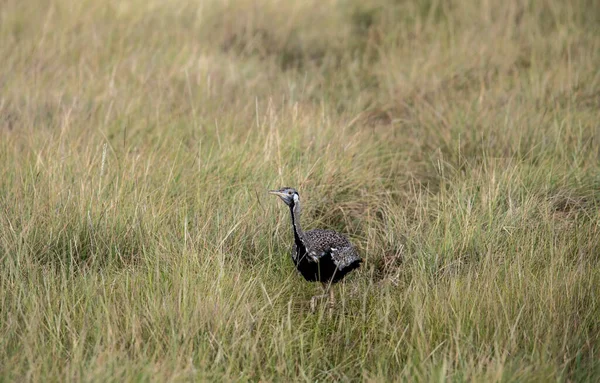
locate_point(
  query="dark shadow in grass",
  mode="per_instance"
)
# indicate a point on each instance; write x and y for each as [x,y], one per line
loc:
[79,244]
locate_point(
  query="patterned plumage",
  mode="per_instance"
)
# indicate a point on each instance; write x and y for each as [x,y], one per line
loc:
[319,255]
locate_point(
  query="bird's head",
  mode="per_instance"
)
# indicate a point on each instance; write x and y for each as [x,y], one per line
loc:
[288,195]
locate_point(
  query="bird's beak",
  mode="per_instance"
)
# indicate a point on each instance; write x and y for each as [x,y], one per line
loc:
[277,193]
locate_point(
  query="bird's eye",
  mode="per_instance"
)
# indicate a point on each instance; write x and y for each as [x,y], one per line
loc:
[290,193]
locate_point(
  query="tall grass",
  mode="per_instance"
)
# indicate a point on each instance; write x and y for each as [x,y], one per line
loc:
[456,143]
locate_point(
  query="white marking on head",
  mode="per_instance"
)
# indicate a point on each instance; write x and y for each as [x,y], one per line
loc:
[295,197]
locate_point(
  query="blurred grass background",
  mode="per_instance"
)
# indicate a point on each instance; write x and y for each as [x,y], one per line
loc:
[456,142]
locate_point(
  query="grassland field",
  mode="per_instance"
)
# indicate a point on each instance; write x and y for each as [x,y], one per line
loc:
[457,143]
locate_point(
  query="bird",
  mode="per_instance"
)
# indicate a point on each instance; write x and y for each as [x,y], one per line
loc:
[319,255]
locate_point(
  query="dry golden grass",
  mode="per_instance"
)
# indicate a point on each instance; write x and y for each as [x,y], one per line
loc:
[456,142]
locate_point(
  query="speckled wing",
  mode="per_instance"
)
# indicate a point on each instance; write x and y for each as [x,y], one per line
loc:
[324,242]
[345,257]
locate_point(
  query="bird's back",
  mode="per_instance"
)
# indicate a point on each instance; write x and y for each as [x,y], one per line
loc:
[330,253]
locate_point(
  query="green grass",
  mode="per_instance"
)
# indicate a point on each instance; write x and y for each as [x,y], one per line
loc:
[455,142]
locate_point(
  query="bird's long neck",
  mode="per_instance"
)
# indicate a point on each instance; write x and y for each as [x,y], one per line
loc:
[298,234]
